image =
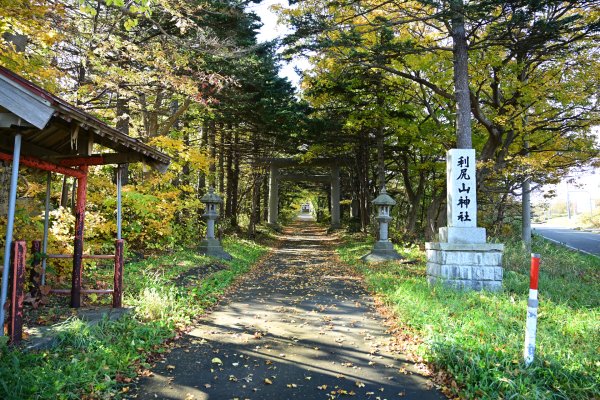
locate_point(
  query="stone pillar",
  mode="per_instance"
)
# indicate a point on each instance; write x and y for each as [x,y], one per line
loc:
[354,206]
[461,199]
[335,197]
[462,259]
[273,195]
[383,231]
[210,229]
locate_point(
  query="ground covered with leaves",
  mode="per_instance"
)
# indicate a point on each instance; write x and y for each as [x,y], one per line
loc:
[300,326]
[167,293]
[476,339]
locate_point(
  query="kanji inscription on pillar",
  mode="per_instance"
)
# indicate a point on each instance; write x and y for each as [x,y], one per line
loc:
[462,198]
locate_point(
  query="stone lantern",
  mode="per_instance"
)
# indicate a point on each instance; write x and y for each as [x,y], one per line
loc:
[211,245]
[383,249]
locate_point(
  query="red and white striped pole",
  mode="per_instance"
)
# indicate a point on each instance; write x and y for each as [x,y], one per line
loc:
[532,310]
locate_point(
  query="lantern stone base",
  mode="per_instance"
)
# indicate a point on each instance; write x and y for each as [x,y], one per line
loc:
[382,251]
[212,247]
[476,266]
[275,227]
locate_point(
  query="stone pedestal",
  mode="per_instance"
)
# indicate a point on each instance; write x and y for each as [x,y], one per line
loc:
[465,266]
[462,259]
[212,247]
[382,251]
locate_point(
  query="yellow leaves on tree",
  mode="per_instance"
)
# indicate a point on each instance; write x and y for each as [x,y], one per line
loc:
[26,36]
[196,158]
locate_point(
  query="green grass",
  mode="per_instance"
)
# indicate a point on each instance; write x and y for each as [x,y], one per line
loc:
[91,361]
[478,336]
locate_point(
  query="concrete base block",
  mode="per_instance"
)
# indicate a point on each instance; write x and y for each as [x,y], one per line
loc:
[466,235]
[382,251]
[465,266]
[213,248]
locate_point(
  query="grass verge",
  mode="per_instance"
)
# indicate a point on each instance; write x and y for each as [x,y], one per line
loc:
[98,361]
[478,337]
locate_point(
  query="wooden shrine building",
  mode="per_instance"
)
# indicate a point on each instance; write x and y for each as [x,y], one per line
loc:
[42,131]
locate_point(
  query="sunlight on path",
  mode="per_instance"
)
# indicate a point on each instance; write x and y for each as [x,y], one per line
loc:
[306,217]
[301,327]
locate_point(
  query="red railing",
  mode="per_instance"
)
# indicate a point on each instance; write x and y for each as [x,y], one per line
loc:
[17,281]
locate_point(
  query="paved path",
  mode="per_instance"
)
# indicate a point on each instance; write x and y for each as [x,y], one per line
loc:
[300,327]
[585,241]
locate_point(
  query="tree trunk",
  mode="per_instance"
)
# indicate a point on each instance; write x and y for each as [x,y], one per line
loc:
[526,205]
[414,196]
[501,207]
[212,168]
[221,160]
[435,214]
[380,159]
[461,76]
[174,120]
[526,210]
[355,206]
[73,195]
[265,202]
[255,203]
[201,175]
[64,194]
[185,169]
[123,126]
[5,173]
[151,116]
[362,168]
[229,173]
[235,179]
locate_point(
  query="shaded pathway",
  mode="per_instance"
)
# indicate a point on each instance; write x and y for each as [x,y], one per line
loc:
[301,327]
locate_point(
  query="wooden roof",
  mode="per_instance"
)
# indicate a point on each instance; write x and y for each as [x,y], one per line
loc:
[56,131]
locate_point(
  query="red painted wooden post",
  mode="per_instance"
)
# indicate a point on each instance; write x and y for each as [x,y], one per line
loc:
[78,242]
[118,279]
[15,322]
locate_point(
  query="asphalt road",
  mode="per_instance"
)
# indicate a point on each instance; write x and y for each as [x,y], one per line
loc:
[585,241]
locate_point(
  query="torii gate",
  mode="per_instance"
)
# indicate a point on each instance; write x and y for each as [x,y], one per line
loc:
[333,178]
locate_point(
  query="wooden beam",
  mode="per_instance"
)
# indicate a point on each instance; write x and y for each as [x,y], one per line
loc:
[27,148]
[34,162]
[100,159]
[305,178]
[9,120]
